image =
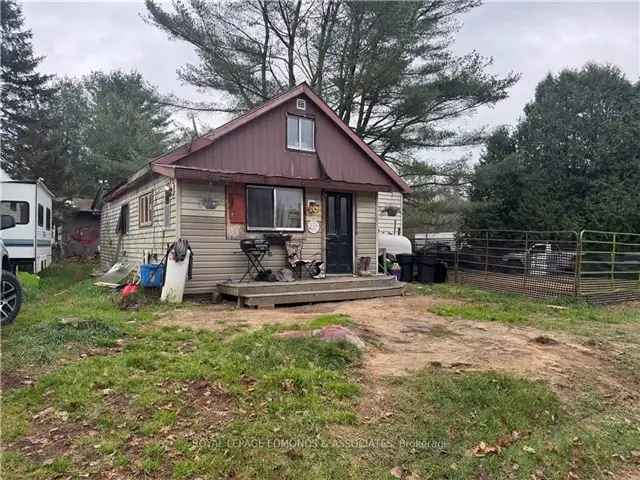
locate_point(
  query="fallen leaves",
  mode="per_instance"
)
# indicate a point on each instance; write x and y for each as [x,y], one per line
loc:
[483,449]
[403,473]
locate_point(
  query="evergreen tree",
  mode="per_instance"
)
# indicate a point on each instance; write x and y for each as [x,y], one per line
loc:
[127,126]
[573,162]
[24,95]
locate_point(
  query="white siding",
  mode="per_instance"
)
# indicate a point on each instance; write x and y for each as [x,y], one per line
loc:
[366,229]
[138,240]
[387,223]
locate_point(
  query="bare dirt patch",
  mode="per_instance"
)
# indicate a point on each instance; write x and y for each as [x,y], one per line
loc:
[404,336]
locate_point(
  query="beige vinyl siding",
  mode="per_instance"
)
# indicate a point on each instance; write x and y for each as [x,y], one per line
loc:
[366,228]
[387,223]
[216,257]
[138,240]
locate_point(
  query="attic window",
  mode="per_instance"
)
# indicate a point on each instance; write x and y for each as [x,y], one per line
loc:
[301,104]
[300,133]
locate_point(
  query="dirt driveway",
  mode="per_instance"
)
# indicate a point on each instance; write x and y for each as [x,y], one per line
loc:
[403,336]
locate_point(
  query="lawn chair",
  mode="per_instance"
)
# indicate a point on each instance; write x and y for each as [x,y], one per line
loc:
[299,265]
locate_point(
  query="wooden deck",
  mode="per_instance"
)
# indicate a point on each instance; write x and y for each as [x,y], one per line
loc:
[331,289]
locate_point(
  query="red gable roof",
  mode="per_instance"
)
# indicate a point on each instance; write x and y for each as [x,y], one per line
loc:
[341,163]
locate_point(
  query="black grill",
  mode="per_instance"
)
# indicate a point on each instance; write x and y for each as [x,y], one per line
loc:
[255,246]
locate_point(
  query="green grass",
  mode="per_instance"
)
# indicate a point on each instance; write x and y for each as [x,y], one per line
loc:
[175,403]
[571,316]
[439,417]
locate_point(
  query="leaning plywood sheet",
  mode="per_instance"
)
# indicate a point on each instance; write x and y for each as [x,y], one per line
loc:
[116,275]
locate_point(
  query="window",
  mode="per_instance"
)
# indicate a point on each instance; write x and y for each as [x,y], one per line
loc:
[274,208]
[48,219]
[18,210]
[145,209]
[123,220]
[167,209]
[300,133]
[40,215]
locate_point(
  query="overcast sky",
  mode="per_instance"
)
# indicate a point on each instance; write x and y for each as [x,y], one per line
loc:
[532,38]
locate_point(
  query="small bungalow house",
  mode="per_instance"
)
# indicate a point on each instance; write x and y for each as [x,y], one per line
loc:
[289,166]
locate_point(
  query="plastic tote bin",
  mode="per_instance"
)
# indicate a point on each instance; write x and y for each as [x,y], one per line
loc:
[151,275]
[405,261]
[426,268]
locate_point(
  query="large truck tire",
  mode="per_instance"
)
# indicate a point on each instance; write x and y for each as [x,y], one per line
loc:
[10,298]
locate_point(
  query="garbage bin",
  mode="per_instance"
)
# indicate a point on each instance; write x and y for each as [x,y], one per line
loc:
[405,260]
[440,274]
[426,268]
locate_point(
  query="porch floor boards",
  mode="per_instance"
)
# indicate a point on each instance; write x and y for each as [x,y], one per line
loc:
[332,289]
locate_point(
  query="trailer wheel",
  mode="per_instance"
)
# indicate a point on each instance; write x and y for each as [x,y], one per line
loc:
[10,298]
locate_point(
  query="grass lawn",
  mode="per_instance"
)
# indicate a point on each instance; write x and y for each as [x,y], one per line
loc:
[93,391]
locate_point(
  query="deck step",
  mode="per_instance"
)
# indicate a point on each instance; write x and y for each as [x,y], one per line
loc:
[332,295]
[342,283]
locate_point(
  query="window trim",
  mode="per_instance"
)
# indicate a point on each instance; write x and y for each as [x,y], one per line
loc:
[28,210]
[126,226]
[149,198]
[47,219]
[40,215]
[299,147]
[273,188]
[166,210]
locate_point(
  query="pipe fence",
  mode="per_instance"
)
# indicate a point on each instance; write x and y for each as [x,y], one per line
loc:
[599,267]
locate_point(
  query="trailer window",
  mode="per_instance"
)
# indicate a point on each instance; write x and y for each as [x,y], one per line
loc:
[18,210]
[40,215]
[48,219]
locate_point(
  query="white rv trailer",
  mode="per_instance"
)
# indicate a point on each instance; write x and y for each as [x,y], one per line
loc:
[29,242]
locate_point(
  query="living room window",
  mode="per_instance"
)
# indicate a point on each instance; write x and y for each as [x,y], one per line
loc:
[274,208]
[300,133]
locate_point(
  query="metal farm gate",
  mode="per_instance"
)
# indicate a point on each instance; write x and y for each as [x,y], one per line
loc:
[599,267]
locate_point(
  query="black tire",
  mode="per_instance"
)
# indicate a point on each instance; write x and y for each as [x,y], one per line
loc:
[10,298]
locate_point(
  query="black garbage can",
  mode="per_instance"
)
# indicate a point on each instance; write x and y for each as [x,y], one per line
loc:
[405,260]
[440,273]
[426,268]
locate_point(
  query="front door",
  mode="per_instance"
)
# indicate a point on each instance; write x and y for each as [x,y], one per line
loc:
[339,233]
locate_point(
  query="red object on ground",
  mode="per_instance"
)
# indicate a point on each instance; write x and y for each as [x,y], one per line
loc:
[129,289]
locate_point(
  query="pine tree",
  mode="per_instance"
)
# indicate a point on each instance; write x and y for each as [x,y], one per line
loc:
[24,95]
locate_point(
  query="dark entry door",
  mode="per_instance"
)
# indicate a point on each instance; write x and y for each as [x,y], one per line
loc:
[339,233]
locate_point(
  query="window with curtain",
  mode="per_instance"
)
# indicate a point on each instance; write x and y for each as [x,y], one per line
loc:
[274,208]
[300,133]
[145,210]
[18,210]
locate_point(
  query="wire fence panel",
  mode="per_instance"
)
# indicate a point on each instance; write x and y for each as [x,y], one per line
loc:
[536,263]
[599,267]
[609,266]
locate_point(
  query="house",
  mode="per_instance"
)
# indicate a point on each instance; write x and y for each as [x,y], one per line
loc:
[79,232]
[289,166]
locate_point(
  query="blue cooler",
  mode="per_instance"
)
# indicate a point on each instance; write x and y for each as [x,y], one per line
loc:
[151,275]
